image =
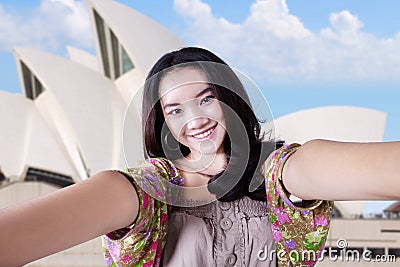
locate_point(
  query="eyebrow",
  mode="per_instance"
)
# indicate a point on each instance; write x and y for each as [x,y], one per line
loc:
[204,91]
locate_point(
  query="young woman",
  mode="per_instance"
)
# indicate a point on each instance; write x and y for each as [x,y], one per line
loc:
[200,199]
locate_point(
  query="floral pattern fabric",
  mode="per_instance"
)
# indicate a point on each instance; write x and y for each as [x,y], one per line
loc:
[142,243]
[297,231]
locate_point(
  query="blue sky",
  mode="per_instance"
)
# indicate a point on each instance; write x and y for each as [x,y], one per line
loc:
[302,54]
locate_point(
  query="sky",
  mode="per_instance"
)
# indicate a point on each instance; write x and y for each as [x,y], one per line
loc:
[302,54]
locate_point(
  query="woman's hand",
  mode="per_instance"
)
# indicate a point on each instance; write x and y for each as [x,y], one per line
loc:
[330,170]
[70,216]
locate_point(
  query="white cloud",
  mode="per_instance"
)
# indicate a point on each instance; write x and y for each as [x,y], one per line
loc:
[345,22]
[272,44]
[51,26]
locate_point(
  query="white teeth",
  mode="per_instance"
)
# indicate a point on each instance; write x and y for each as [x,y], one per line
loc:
[203,135]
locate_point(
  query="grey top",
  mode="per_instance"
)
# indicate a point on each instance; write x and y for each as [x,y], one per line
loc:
[236,233]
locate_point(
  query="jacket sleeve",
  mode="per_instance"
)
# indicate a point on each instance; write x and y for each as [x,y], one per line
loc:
[142,242]
[300,232]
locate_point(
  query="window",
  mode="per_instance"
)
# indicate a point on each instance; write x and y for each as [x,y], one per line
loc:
[127,64]
[115,53]
[395,252]
[116,61]
[336,213]
[101,34]
[2,176]
[39,175]
[377,251]
[33,87]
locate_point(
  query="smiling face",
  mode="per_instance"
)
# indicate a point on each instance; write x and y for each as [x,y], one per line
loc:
[192,113]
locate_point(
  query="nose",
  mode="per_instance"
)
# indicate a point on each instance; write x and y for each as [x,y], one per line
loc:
[195,116]
[197,123]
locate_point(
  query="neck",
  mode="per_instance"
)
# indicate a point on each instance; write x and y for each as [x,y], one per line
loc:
[206,164]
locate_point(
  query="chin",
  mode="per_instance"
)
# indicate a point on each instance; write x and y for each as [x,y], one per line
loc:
[208,147]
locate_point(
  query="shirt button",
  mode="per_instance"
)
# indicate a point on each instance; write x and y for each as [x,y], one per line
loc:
[226,224]
[230,260]
[224,205]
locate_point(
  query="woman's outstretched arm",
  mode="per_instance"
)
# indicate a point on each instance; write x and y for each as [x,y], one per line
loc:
[70,216]
[330,170]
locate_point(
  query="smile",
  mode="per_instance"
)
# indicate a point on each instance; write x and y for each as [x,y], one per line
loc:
[205,134]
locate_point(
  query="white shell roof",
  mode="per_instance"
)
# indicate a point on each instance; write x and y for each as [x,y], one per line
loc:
[81,102]
[26,140]
[340,123]
[144,39]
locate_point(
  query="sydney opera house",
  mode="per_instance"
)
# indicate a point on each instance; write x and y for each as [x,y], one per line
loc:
[68,125]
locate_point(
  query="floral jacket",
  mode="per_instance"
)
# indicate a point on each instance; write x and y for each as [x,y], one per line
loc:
[299,232]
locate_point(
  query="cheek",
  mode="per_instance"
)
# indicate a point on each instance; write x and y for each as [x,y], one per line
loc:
[217,114]
[175,126]
[221,118]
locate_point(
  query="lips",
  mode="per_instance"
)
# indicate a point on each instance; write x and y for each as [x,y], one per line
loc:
[204,134]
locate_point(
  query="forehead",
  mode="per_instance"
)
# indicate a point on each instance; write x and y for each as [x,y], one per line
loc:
[182,82]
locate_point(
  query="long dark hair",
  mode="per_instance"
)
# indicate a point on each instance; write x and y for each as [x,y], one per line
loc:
[229,90]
